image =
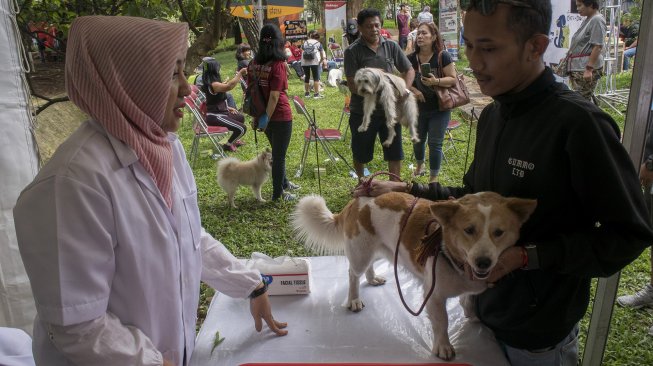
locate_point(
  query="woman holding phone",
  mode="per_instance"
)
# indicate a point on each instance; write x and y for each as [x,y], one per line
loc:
[432,123]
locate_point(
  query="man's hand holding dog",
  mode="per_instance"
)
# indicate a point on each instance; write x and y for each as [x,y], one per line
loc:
[645,176]
[510,260]
[418,94]
[261,310]
[379,187]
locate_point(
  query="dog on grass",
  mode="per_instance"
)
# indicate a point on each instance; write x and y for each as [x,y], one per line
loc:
[333,77]
[474,231]
[233,173]
[378,86]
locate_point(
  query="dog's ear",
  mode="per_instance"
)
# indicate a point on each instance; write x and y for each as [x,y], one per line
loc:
[444,211]
[522,207]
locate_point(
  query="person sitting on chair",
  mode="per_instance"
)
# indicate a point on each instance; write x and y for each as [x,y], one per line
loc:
[218,112]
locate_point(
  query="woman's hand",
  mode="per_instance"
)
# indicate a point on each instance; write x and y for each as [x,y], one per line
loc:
[587,75]
[242,72]
[430,80]
[261,310]
[233,110]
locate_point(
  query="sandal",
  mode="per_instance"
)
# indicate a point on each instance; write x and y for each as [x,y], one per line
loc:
[419,174]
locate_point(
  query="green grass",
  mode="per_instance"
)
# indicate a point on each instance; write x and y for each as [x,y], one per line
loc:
[264,227]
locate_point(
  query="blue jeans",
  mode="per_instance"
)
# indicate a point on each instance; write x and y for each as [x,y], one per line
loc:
[628,54]
[434,125]
[564,353]
[278,133]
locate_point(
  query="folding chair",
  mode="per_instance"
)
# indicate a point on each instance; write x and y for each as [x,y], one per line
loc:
[314,134]
[337,54]
[202,130]
[449,140]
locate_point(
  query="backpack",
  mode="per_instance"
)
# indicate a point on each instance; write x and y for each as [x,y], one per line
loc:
[254,103]
[309,51]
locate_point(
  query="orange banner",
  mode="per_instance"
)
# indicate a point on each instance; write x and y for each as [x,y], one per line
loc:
[275,11]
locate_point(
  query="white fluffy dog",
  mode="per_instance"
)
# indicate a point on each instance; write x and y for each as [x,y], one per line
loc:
[391,92]
[233,173]
[334,76]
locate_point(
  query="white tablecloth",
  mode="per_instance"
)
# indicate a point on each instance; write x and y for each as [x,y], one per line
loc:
[322,329]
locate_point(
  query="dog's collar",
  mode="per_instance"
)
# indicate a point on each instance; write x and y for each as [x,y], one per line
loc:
[458,266]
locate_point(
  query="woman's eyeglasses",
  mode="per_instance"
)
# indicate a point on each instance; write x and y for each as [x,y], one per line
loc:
[487,7]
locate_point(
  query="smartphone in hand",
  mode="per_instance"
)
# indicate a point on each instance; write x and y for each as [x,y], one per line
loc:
[425,69]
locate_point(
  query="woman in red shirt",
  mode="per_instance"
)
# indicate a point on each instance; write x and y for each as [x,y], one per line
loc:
[269,69]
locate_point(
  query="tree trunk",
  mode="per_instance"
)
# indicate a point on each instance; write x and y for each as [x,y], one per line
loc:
[200,48]
[215,31]
[252,32]
[353,7]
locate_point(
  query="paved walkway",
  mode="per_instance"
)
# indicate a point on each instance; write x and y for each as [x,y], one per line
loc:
[478,100]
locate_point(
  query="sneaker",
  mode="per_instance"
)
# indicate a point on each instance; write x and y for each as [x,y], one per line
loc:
[292,186]
[239,143]
[231,148]
[641,298]
[307,95]
[285,196]
[318,96]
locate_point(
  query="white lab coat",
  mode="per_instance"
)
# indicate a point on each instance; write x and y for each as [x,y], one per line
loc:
[97,238]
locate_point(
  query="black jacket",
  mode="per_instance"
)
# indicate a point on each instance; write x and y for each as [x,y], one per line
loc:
[550,144]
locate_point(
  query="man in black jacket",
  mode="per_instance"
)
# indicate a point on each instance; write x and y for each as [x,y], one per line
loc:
[541,140]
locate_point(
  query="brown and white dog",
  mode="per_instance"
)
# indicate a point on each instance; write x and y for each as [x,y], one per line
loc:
[476,229]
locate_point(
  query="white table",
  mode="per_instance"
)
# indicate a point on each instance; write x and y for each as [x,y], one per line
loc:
[321,329]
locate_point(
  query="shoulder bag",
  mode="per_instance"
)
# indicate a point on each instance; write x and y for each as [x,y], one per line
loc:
[455,96]
[254,103]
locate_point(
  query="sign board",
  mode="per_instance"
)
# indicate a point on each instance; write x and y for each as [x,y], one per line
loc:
[335,13]
[295,30]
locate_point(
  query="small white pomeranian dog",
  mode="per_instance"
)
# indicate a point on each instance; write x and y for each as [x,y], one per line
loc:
[233,173]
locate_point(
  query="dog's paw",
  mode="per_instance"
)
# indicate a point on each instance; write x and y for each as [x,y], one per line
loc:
[362,128]
[414,140]
[387,143]
[356,305]
[444,350]
[377,281]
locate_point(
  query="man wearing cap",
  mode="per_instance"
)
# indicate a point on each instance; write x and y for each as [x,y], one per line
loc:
[350,34]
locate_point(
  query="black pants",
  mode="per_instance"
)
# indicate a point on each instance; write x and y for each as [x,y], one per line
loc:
[278,133]
[297,66]
[235,122]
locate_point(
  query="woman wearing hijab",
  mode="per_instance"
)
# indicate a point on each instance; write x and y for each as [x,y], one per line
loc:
[109,230]
[218,112]
[269,70]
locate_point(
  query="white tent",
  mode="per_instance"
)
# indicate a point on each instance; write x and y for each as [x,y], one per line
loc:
[19,164]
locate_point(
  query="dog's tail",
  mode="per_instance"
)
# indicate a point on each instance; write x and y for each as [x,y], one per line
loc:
[316,226]
[225,164]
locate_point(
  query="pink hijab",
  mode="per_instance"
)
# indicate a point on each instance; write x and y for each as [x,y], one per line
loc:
[118,71]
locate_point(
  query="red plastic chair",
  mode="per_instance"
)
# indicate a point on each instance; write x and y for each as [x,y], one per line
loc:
[201,130]
[324,136]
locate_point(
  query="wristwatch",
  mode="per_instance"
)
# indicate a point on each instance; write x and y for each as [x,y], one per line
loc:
[533,261]
[260,291]
[649,164]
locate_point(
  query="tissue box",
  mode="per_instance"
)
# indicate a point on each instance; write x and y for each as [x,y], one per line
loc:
[284,275]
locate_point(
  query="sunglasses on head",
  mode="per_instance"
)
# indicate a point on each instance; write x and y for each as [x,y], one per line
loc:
[487,7]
